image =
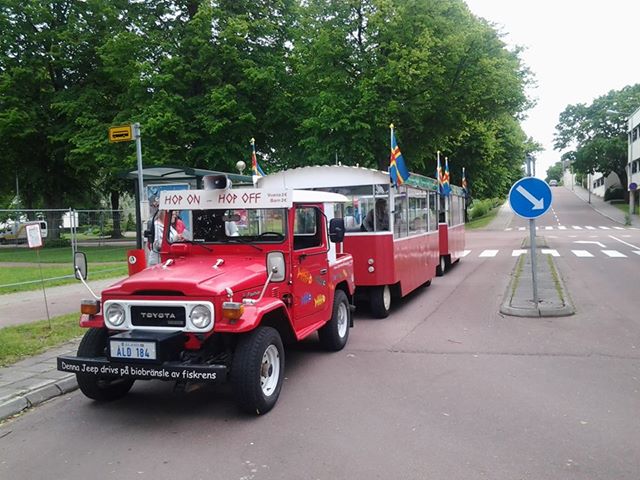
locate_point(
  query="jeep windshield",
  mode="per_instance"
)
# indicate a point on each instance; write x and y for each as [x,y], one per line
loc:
[229,225]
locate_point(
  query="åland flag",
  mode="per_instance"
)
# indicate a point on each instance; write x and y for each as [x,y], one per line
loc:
[397,168]
[256,171]
[443,177]
[464,182]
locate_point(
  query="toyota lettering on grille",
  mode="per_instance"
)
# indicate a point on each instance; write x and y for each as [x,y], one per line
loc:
[158,316]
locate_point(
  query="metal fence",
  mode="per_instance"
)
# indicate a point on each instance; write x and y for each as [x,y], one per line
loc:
[63,227]
[68,231]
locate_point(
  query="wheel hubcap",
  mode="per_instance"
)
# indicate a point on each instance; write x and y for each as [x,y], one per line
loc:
[386,297]
[270,370]
[342,320]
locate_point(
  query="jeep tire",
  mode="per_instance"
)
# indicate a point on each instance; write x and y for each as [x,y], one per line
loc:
[107,388]
[257,370]
[335,333]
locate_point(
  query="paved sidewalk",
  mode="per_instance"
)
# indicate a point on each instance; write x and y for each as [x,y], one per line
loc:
[604,208]
[503,219]
[35,380]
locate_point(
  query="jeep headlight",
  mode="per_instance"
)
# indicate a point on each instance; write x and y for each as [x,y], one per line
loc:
[200,316]
[115,315]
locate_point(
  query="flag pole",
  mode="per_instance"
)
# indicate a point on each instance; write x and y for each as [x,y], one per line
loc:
[254,177]
[391,137]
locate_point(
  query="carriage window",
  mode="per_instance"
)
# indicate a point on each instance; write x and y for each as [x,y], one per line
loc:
[434,200]
[400,215]
[417,211]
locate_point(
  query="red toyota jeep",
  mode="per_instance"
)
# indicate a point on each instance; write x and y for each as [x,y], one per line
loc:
[248,269]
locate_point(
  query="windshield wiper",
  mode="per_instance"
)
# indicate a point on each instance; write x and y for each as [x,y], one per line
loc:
[244,241]
[193,242]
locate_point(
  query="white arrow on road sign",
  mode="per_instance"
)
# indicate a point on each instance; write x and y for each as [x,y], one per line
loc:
[601,245]
[538,204]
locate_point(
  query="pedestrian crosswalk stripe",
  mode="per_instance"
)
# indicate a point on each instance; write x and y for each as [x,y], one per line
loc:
[614,254]
[582,253]
[491,253]
[574,227]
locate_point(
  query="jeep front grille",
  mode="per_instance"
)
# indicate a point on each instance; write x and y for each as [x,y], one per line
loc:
[158,316]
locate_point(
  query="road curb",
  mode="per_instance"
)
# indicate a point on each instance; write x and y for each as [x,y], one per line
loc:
[517,300]
[32,397]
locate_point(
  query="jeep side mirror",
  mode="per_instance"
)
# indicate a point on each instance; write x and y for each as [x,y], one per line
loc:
[336,230]
[150,232]
[80,266]
[276,266]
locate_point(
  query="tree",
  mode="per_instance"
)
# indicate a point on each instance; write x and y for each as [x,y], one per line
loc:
[49,67]
[445,79]
[555,172]
[595,135]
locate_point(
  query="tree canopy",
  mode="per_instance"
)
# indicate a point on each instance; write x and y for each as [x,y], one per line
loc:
[594,137]
[310,80]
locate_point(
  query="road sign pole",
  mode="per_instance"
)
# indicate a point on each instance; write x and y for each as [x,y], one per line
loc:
[137,136]
[534,252]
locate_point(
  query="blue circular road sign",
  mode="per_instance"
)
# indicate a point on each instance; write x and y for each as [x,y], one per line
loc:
[530,197]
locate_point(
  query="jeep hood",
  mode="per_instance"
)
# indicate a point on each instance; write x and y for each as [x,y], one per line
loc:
[194,276]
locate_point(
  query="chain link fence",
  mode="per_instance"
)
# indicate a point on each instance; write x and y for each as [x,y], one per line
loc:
[104,234]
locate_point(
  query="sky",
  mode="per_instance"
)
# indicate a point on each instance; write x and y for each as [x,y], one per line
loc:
[577,50]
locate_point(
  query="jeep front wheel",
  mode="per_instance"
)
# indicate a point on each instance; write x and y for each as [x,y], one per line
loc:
[257,370]
[106,388]
[335,333]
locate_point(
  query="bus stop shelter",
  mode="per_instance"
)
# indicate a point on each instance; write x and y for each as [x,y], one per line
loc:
[161,177]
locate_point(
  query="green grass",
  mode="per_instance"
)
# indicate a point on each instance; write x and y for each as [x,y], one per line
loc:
[517,274]
[483,221]
[20,341]
[11,275]
[624,207]
[63,255]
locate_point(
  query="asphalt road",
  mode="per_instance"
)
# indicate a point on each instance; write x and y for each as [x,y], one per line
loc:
[446,387]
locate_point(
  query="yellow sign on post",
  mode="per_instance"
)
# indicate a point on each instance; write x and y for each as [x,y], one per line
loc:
[122,133]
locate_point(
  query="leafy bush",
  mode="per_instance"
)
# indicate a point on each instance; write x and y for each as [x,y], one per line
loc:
[131,224]
[614,192]
[57,243]
[479,208]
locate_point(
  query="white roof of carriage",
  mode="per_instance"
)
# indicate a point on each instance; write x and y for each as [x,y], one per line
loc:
[322,176]
[312,196]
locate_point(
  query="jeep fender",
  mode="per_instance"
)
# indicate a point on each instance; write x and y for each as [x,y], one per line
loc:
[253,315]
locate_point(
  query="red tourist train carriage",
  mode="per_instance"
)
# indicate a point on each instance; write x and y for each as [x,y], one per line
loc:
[392,232]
